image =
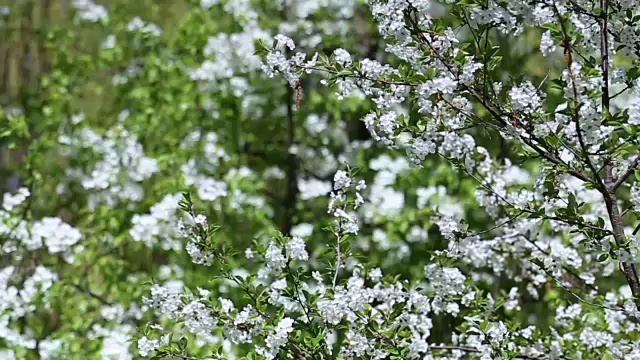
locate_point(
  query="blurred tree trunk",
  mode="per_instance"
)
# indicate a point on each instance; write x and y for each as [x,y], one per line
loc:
[23,61]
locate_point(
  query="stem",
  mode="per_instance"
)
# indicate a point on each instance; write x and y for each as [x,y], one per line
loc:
[88,292]
[619,92]
[576,114]
[297,292]
[576,100]
[339,254]
[292,167]
[510,220]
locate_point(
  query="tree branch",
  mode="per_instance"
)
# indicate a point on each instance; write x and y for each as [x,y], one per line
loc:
[622,178]
[91,294]
[611,201]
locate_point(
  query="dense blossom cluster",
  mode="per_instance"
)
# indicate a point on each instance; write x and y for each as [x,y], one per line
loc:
[117,174]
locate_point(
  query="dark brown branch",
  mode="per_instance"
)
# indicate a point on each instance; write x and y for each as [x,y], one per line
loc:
[556,161]
[620,92]
[576,113]
[611,201]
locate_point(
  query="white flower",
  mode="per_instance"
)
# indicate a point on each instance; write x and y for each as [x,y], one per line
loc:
[342,57]
[375,275]
[634,105]
[197,255]
[277,339]
[165,299]
[349,223]
[525,98]
[136,24]
[275,260]
[109,42]
[9,202]
[547,45]
[498,331]
[359,201]
[302,230]
[444,84]
[200,219]
[296,250]
[78,118]
[145,346]
[197,318]
[55,234]
[283,41]
[208,4]
[341,180]
[87,10]
[351,226]
[312,188]
[285,326]
[468,70]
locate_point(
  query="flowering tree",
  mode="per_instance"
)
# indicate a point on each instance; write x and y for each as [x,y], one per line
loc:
[448,79]
[226,215]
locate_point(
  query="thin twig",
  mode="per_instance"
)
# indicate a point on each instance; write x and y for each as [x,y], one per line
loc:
[502,224]
[339,254]
[622,178]
[576,112]
[91,294]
